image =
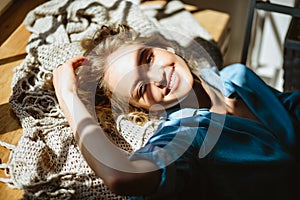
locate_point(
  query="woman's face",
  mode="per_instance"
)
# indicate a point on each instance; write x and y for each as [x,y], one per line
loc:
[148,77]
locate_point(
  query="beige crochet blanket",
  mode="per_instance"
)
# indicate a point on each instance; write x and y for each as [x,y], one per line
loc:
[47,163]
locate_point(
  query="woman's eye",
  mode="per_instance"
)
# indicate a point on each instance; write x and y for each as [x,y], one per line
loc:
[149,58]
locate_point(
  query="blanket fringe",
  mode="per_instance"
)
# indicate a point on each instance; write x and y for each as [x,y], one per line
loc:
[6,145]
[8,182]
[7,167]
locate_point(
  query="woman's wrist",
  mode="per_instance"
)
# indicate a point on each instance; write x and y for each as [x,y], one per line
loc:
[67,95]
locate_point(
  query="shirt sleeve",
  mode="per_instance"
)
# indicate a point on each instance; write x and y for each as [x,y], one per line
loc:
[174,150]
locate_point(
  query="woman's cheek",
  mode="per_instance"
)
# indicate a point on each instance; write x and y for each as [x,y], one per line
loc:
[155,95]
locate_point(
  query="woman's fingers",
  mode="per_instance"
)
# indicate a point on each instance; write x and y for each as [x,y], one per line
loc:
[77,61]
[68,68]
[64,76]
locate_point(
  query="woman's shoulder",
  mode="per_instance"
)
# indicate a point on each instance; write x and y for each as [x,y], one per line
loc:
[242,76]
[235,71]
[180,113]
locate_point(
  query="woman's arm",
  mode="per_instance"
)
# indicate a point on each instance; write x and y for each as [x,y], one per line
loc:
[121,175]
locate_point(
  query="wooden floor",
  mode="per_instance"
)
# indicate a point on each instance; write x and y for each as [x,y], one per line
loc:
[13,40]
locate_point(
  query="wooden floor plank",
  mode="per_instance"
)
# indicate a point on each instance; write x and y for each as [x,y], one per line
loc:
[14,16]
[10,129]
[15,45]
[13,40]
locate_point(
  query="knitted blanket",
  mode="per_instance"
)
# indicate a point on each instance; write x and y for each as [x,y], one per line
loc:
[47,163]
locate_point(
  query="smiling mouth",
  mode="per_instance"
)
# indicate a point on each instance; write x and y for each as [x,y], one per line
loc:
[171,82]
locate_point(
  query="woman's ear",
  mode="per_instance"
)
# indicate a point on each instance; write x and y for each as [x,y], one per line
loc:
[170,49]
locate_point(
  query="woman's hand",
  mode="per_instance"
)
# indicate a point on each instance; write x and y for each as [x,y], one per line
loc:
[64,76]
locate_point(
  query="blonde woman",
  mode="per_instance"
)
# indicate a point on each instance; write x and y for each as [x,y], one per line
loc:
[226,141]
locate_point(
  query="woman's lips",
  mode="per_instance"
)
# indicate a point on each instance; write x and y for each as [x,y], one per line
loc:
[172,82]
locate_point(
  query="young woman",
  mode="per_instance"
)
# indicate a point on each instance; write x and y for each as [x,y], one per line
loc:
[230,138]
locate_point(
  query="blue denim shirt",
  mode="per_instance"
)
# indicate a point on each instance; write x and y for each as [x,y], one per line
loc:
[224,156]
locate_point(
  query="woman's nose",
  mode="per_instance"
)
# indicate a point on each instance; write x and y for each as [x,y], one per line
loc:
[157,77]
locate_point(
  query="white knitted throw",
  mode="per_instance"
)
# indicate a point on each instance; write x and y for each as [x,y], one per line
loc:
[46,163]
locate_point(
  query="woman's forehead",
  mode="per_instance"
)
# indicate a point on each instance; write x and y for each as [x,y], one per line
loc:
[126,51]
[122,68]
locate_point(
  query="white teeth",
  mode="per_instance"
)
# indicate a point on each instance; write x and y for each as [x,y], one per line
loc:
[172,81]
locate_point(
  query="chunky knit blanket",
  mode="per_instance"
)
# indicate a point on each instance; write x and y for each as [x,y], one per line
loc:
[46,163]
